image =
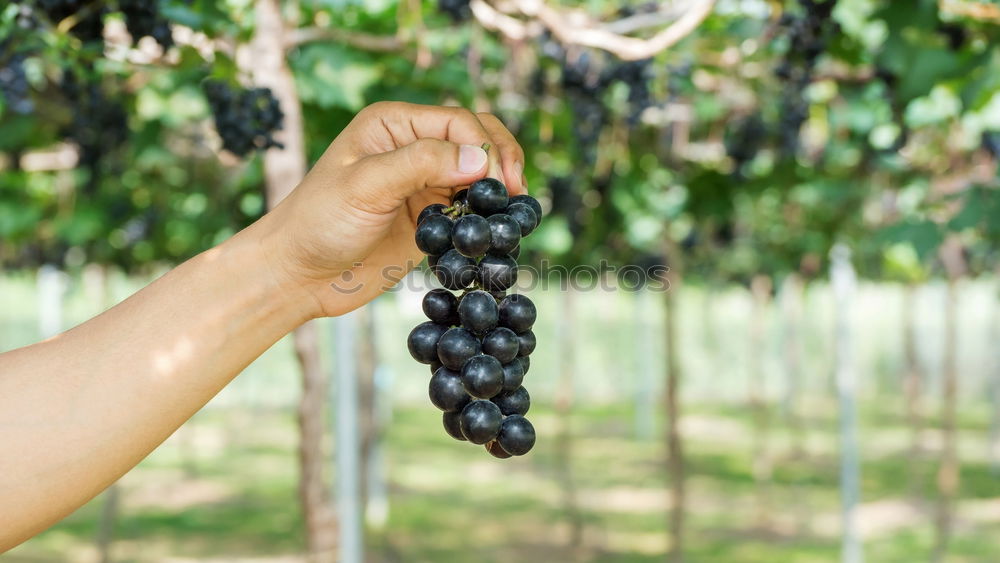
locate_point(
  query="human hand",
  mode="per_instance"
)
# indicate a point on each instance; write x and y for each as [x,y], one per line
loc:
[345,234]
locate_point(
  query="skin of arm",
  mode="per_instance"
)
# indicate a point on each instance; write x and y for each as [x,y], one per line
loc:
[79,410]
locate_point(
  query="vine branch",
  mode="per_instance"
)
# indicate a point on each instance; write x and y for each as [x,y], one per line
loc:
[570,28]
[601,37]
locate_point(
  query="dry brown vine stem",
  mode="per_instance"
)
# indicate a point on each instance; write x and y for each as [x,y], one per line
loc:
[360,40]
[983,11]
[569,27]
[587,33]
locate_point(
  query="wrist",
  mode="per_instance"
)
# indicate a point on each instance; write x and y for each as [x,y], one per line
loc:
[255,256]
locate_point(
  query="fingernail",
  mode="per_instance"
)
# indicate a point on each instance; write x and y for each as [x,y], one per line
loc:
[470,159]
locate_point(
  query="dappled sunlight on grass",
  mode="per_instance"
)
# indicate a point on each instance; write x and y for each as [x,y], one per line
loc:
[226,486]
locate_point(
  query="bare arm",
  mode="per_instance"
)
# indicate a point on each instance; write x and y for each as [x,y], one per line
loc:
[79,410]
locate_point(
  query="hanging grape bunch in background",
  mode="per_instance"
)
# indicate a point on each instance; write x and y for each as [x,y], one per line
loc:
[479,343]
[246,119]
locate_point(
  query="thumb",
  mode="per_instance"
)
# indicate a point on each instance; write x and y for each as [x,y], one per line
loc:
[422,164]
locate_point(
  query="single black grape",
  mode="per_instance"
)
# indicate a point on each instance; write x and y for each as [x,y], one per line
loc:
[530,202]
[516,435]
[423,340]
[461,196]
[434,234]
[471,236]
[441,306]
[513,402]
[497,273]
[496,451]
[453,424]
[502,344]
[447,391]
[525,217]
[488,196]
[526,343]
[455,271]
[483,376]
[517,313]
[525,363]
[505,234]
[481,421]
[432,209]
[456,346]
[478,312]
[513,375]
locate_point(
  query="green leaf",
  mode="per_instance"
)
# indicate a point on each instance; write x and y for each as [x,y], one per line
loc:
[972,212]
[331,76]
[925,236]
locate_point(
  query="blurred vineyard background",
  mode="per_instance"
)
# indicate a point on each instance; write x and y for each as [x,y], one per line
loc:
[821,381]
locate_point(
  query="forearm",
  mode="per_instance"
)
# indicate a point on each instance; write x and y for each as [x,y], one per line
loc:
[79,410]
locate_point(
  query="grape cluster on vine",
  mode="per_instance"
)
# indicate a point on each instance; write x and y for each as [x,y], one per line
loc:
[478,344]
[99,124]
[246,118]
[807,39]
[142,18]
[637,75]
[585,77]
[89,24]
[457,10]
[15,91]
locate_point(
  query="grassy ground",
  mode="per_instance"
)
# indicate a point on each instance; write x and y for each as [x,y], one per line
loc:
[223,488]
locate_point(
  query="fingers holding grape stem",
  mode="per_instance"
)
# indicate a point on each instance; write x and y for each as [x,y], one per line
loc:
[481,340]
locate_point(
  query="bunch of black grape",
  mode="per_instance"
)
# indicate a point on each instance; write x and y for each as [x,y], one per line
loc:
[478,344]
[637,75]
[89,26]
[99,124]
[143,18]
[457,10]
[15,91]
[246,119]
[808,36]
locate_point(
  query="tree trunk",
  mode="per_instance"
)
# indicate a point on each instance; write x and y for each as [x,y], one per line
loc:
[51,286]
[106,525]
[283,169]
[792,299]
[367,422]
[373,493]
[348,441]
[566,340]
[675,452]
[97,290]
[948,471]
[645,402]
[791,308]
[912,384]
[995,395]
[760,289]
[844,282]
